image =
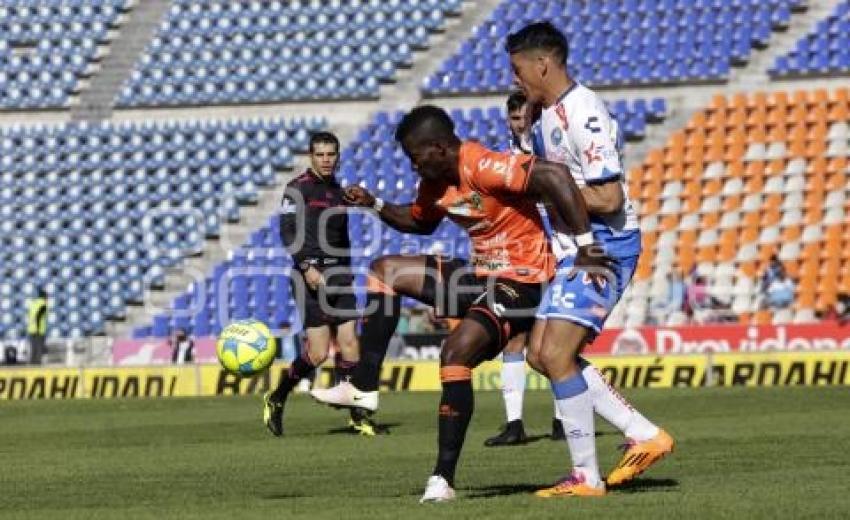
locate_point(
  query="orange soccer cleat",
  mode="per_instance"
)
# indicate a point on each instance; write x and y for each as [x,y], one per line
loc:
[639,456]
[571,486]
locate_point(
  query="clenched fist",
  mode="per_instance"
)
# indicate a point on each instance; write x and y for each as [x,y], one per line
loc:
[357,196]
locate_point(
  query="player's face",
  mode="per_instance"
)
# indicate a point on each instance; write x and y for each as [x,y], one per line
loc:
[429,161]
[528,75]
[519,120]
[323,158]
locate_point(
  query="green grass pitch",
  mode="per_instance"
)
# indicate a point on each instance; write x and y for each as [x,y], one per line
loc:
[742,453]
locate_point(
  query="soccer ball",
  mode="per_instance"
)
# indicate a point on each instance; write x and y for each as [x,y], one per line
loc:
[246,347]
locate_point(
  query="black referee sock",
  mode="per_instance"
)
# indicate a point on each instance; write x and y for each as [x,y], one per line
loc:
[378,329]
[456,406]
[299,369]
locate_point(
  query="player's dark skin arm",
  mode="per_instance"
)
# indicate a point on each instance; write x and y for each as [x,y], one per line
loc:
[397,216]
[553,183]
[605,197]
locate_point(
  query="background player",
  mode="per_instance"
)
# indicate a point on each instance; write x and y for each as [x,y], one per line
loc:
[577,130]
[521,117]
[493,196]
[314,213]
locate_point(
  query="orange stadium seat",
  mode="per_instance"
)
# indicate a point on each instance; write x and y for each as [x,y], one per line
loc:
[757,176]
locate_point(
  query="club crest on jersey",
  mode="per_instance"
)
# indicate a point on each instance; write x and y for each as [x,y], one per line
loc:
[467,205]
[556,136]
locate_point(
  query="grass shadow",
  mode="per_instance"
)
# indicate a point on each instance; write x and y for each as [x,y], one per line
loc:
[502,490]
[635,486]
[642,485]
[381,429]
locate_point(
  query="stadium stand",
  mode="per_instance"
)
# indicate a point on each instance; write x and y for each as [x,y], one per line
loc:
[377,163]
[236,51]
[614,43]
[47,47]
[749,177]
[95,211]
[823,51]
[99,211]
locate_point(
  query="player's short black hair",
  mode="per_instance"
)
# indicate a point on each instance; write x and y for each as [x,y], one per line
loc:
[428,122]
[539,36]
[516,100]
[323,137]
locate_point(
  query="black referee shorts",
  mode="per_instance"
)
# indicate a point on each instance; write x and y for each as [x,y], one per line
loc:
[332,304]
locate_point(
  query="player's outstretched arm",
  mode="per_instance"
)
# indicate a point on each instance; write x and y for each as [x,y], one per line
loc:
[397,216]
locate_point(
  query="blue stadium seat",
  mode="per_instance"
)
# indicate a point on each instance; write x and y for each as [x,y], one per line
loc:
[104,208]
[226,51]
[46,48]
[821,52]
[620,43]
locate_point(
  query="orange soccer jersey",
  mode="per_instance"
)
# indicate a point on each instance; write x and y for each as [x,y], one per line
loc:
[507,234]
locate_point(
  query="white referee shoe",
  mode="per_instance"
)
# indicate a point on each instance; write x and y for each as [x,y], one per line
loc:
[437,490]
[346,395]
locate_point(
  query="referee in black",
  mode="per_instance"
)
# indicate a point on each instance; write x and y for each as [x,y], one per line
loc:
[314,229]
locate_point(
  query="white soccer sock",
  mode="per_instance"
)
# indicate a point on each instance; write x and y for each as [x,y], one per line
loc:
[513,384]
[614,408]
[573,399]
[557,413]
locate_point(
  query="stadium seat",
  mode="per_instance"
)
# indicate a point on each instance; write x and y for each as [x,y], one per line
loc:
[45,52]
[639,45]
[226,51]
[821,52]
[795,208]
[108,207]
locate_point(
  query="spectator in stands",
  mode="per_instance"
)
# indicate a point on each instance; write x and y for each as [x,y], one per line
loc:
[37,326]
[674,300]
[697,297]
[773,271]
[182,348]
[702,307]
[840,310]
[779,293]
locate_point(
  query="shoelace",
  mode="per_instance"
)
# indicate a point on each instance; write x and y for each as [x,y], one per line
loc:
[627,445]
[570,480]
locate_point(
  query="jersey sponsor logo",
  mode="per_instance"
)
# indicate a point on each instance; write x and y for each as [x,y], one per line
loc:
[488,163]
[592,125]
[593,152]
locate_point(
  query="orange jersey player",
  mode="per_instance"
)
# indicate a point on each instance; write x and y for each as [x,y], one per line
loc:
[492,195]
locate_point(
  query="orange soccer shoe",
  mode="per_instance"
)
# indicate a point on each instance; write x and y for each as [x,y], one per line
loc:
[639,456]
[571,486]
